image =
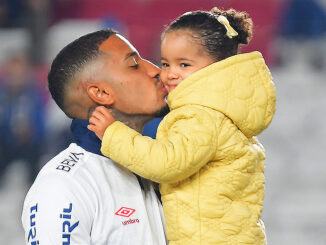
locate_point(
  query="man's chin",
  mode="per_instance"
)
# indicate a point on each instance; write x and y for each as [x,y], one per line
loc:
[162,111]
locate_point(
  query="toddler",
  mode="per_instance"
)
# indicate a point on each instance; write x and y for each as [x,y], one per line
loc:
[206,158]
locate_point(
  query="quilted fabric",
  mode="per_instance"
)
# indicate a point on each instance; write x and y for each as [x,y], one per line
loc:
[209,164]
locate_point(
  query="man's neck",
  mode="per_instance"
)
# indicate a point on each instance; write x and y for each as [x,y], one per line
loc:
[134,121]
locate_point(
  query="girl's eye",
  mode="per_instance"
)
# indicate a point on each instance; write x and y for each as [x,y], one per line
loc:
[165,65]
[184,65]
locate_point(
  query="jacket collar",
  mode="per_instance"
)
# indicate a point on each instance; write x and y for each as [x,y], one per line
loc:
[84,137]
[240,87]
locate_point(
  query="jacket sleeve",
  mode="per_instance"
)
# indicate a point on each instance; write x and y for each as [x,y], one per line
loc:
[184,145]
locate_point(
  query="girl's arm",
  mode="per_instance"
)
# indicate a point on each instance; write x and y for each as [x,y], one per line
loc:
[186,144]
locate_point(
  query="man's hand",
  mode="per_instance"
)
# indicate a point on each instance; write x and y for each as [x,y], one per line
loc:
[101,119]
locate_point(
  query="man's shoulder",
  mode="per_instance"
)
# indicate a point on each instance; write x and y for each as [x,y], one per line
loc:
[64,172]
[67,161]
[59,196]
[66,178]
[74,167]
[60,171]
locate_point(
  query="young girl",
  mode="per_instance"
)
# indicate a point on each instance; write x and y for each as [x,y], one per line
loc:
[209,165]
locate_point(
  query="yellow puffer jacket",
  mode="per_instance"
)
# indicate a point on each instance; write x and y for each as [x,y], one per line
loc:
[210,166]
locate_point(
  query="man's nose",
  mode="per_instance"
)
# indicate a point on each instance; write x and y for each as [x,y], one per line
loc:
[152,69]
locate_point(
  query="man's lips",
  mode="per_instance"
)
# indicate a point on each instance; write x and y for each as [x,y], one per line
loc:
[163,88]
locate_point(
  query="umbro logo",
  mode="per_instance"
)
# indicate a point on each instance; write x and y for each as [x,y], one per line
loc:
[125,212]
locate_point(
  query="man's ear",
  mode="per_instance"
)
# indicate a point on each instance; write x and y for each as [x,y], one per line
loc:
[100,93]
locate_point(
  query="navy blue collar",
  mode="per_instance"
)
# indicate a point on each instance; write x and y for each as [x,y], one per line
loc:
[88,139]
[84,137]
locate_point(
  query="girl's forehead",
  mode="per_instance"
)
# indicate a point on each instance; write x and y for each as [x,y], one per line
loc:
[180,36]
[183,45]
[181,32]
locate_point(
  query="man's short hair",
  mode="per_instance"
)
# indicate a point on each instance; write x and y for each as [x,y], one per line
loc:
[71,60]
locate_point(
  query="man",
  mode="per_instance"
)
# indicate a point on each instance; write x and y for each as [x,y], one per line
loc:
[81,197]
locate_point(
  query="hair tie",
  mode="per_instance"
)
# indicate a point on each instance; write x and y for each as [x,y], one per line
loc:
[230,32]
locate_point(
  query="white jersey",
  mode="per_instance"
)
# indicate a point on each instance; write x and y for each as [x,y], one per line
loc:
[81,198]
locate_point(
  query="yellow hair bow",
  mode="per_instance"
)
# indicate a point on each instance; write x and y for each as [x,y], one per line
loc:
[230,32]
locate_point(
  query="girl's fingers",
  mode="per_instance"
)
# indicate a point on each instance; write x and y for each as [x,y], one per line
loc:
[104,111]
[91,127]
[99,115]
[94,120]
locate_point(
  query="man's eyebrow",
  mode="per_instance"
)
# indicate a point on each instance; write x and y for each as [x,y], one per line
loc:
[134,53]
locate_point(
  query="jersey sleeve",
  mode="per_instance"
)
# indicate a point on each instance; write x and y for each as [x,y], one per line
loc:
[187,145]
[54,213]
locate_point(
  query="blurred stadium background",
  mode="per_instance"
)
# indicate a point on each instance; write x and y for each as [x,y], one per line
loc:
[291,34]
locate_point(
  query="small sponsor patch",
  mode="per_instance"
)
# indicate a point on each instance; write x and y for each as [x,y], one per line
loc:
[125,212]
[69,162]
[130,221]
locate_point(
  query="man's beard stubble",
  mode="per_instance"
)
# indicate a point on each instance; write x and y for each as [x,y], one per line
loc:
[137,121]
[134,121]
[162,111]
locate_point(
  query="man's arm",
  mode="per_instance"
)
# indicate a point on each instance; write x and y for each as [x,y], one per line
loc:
[189,144]
[54,213]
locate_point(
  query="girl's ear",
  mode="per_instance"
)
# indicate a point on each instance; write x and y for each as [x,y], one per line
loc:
[101,93]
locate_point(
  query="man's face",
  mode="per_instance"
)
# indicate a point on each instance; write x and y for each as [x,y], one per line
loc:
[135,82]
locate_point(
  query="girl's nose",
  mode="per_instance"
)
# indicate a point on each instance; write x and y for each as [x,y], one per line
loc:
[172,75]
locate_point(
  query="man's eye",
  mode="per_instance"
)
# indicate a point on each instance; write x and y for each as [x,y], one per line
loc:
[165,65]
[135,66]
[184,65]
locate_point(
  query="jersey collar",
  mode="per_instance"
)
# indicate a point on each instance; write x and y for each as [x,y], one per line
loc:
[84,137]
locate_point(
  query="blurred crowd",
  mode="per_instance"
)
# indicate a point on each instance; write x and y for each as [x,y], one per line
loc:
[32,129]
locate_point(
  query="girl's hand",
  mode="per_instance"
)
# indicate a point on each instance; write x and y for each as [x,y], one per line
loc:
[101,119]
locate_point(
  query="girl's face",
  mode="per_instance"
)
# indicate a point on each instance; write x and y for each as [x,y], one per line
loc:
[181,56]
